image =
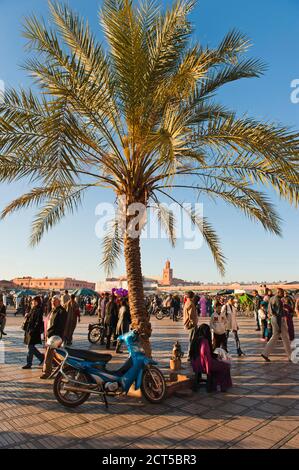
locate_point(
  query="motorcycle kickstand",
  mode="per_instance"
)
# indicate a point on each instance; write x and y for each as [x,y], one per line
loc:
[105,400]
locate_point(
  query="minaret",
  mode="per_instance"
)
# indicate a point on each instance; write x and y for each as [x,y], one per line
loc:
[167,274]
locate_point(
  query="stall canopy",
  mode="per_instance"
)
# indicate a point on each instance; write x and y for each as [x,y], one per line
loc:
[85,292]
[25,292]
[225,292]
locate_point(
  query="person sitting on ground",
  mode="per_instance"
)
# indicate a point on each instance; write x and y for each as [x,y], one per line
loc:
[204,361]
[218,325]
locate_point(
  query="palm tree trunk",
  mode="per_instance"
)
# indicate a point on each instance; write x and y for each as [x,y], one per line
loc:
[139,316]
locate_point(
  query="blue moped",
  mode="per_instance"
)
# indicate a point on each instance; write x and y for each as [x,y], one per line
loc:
[83,372]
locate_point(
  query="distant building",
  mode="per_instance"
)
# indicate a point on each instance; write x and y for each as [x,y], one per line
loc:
[167,275]
[170,283]
[149,284]
[7,285]
[47,283]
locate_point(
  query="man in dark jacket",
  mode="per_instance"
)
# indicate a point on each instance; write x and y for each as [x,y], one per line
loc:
[33,327]
[55,327]
[279,326]
[110,322]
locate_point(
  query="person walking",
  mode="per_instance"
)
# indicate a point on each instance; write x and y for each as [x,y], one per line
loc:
[124,318]
[33,328]
[288,307]
[203,306]
[190,318]
[73,316]
[218,324]
[230,311]
[279,326]
[110,321]
[55,327]
[2,317]
[176,307]
[256,306]
[65,298]
[209,306]
[263,319]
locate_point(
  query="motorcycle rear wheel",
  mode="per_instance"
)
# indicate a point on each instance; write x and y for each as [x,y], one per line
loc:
[94,335]
[153,384]
[68,398]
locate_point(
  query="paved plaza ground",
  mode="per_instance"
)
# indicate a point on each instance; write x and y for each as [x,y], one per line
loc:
[260,411]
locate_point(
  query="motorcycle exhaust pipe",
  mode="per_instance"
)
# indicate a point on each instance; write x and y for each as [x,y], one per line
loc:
[71,388]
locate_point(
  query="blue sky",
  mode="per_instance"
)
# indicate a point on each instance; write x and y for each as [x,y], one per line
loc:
[72,248]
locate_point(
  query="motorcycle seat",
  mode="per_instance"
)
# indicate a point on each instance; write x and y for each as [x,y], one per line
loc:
[89,355]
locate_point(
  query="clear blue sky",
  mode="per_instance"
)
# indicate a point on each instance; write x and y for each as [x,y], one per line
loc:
[72,249]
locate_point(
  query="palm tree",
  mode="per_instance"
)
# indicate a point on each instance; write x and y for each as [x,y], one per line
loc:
[138,116]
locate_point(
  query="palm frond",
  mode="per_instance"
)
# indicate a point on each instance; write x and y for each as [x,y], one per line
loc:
[167,220]
[112,247]
[207,231]
[53,211]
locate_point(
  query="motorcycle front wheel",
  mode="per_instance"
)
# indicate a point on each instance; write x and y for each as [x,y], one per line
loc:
[69,398]
[153,385]
[94,335]
[159,315]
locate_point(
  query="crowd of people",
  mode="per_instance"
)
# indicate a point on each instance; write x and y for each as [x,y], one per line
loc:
[274,318]
[58,315]
[61,320]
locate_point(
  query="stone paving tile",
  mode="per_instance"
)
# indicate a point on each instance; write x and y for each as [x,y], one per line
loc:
[203,442]
[288,424]
[224,434]
[248,402]
[272,432]
[199,424]
[293,443]
[272,407]
[156,423]
[243,423]
[194,408]
[109,441]
[133,432]
[153,442]
[87,430]
[254,442]
[260,411]
[177,433]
